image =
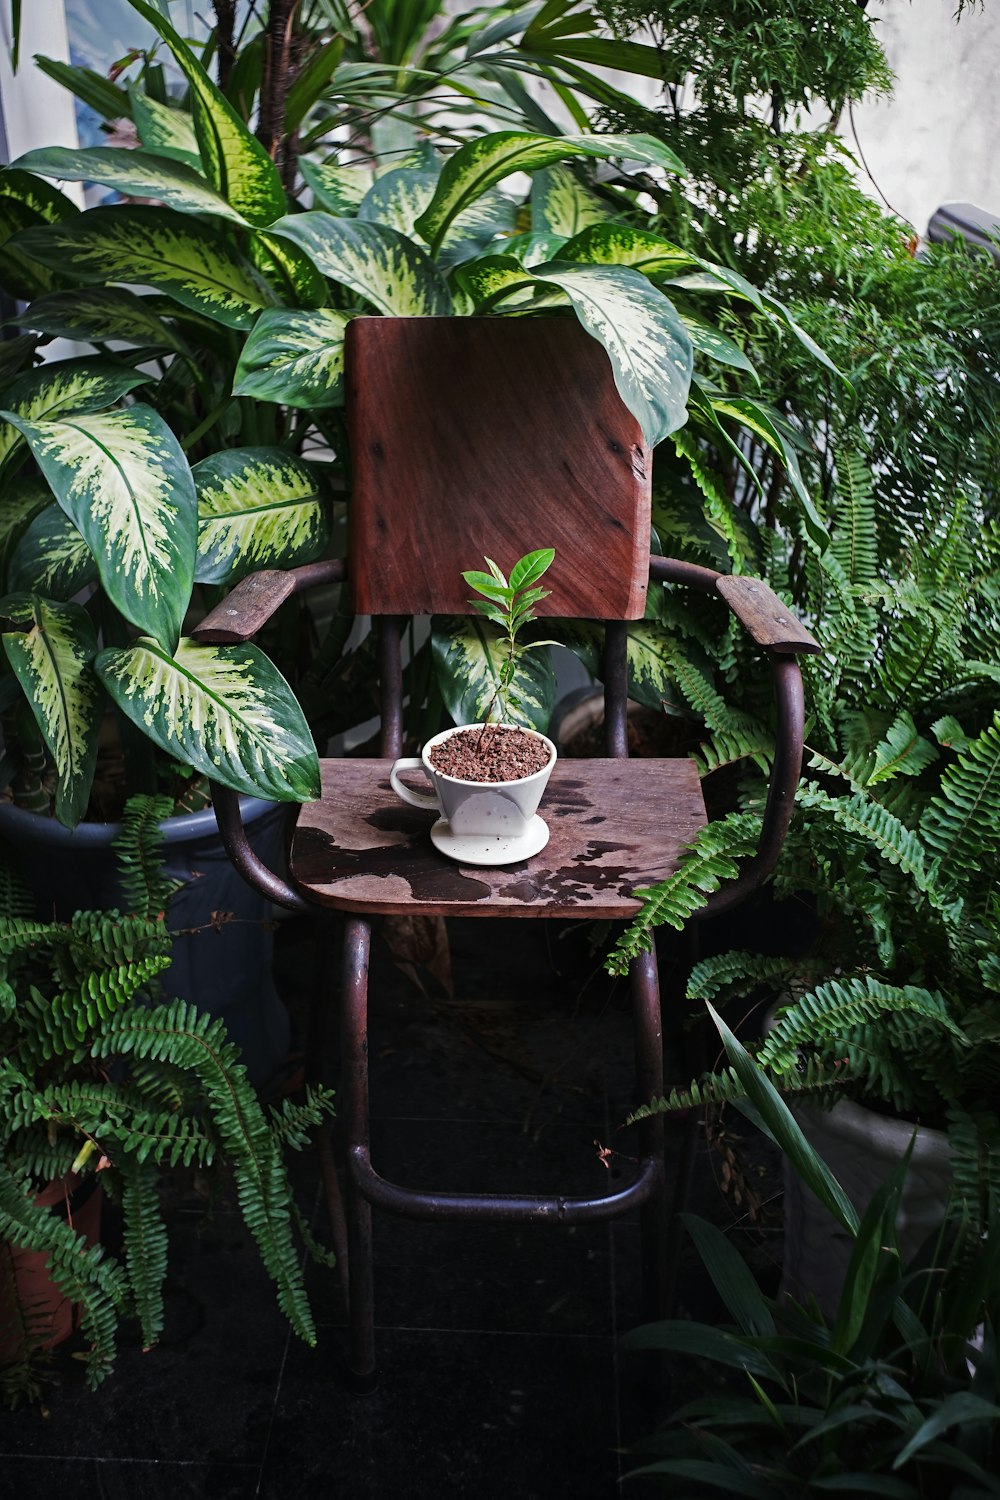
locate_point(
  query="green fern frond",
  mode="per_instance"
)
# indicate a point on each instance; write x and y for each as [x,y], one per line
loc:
[709,860]
[961,824]
[853,532]
[730,749]
[294,1121]
[145,1240]
[720,512]
[740,973]
[138,849]
[195,1042]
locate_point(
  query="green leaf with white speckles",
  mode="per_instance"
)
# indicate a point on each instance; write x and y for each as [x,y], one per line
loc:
[257,508]
[714,344]
[469,655]
[621,245]
[51,655]
[72,385]
[236,163]
[51,556]
[136,174]
[398,198]
[165,131]
[337,189]
[225,710]
[384,267]
[193,263]
[28,202]
[99,313]
[294,357]
[562,204]
[124,482]
[647,343]
[485,161]
[289,270]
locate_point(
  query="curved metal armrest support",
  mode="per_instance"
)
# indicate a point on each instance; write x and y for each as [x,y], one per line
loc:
[236,620]
[775,629]
[246,862]
[252,603]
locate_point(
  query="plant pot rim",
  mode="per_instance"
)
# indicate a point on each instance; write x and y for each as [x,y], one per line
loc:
[862,1126]
[180,828]
[446,734]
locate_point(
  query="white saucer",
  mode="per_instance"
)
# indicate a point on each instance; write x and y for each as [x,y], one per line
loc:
[472,849]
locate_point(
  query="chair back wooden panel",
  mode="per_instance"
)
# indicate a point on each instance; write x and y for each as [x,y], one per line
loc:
[475,437]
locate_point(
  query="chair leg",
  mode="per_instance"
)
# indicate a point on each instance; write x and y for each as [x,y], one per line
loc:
[649,1083]
[354,1065]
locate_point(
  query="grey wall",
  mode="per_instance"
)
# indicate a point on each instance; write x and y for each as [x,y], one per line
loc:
[938,139]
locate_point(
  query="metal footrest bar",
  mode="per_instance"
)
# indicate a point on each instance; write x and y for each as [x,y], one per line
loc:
[414,1203]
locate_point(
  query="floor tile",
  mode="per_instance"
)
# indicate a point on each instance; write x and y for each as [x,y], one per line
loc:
[456,1415]
[110,1479]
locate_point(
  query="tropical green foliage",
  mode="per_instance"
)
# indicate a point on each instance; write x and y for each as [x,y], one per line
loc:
[895,1395]
[234,295]
[75,999]
[499,672]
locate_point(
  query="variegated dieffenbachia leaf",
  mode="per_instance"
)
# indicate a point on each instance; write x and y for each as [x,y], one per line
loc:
[225,710]
[289,270]
[27,202]
[136,174]
[648,345]
[20,501]
[621,245]
[650,677]
[398,198]
[257,508]
[193,263]
[561,204]
[124,482]
[165,131]
[387,269]
[339,190]
[485,161]
[99,313]
[50,652]
[71,385]
[757,419]
[469,654]
[294,357]
[492,278]
[15,353]
[714,344]
[50,555]
[234,160]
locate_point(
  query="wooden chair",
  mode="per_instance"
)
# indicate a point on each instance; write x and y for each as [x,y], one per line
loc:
[473,437]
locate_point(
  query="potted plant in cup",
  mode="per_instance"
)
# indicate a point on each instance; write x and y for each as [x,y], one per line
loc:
[489,778]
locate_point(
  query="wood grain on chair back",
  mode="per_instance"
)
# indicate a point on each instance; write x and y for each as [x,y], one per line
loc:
[475,437]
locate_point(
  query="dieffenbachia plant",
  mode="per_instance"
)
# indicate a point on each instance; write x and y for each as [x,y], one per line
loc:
[237,358]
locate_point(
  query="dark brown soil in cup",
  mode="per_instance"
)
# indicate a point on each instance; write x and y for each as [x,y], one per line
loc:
[490,754]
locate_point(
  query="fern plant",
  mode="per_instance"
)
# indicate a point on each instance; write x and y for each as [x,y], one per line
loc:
[97,1076]
[898,1003]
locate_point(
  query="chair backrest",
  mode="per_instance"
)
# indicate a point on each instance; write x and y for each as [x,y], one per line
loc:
[475,437]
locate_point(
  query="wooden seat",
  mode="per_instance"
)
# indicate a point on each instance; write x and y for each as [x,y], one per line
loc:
[613,826]
[496,436]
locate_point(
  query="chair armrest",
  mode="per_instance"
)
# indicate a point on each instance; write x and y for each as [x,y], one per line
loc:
[761,613]
[245,860]
[252,603]
[763,616]
[775,629]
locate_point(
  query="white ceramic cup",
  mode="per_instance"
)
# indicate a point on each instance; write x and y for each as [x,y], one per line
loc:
[476,809]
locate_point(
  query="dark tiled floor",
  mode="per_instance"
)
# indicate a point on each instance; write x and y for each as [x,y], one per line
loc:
[498,1345]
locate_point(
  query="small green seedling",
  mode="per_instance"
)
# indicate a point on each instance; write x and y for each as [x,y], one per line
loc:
[510,603]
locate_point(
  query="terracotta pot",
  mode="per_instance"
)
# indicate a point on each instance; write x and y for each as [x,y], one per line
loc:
[25,1283]
[861,1148]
